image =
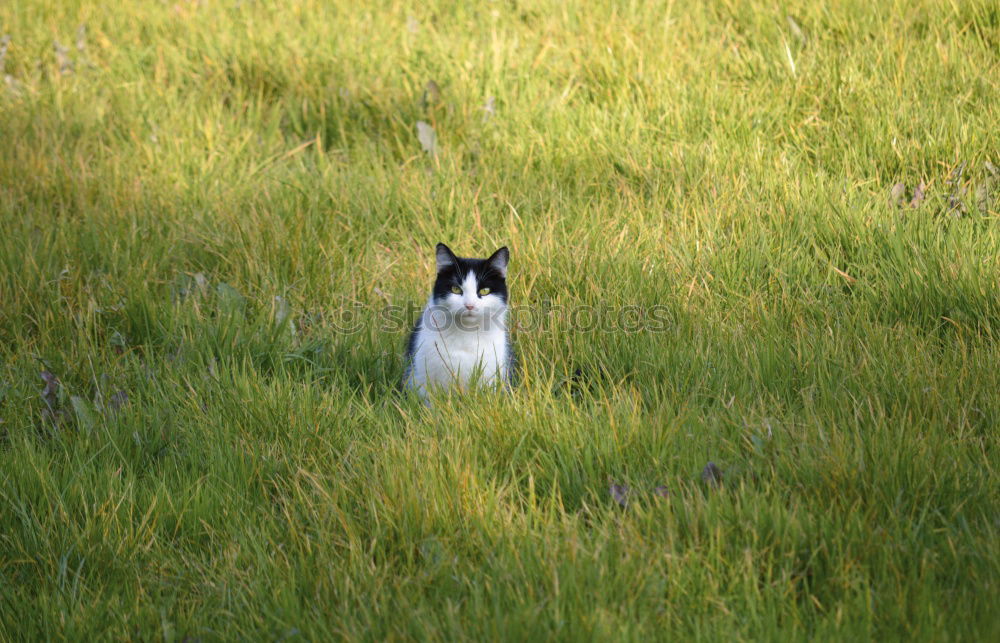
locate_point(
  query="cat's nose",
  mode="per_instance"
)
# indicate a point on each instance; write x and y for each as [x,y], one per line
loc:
[470,306]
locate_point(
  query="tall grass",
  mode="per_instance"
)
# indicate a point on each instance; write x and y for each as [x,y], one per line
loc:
[211,213]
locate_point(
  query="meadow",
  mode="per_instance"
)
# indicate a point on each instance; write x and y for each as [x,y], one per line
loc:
[781,225]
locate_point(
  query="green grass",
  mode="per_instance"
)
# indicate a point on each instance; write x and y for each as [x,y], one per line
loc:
[258,477]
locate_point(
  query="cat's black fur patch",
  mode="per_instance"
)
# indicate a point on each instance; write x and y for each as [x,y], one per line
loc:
[411,342]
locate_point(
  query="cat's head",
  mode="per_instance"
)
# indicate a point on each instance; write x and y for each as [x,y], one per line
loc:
[471,289]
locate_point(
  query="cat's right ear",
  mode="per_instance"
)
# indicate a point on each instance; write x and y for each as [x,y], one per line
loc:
[445,257]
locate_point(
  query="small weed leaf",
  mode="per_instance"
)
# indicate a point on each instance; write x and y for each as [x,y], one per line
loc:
[896,194]
[955,177]
[918,195]
[117,400]
[793,26]
[118,342]
[432,94]
[52,414]
[81,38]
[180,288]
[427,137]
[62,58]
[86,418]
[711,475]
[431,551]
[986,193]
[230,299]
[50,394]
[620,493]
[4,42]
[956,205]
[282,316]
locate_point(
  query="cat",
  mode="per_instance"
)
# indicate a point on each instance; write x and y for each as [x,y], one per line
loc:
[461,337]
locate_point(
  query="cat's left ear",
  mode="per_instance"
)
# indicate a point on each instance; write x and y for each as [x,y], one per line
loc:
[498,261]
[444,256]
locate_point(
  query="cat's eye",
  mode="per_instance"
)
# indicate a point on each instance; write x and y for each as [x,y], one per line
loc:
[456,290]
[483,292]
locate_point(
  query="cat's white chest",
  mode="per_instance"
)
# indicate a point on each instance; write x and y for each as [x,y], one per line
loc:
[456,357]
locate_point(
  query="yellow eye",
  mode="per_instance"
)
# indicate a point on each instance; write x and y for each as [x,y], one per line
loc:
[456,290]
[483,292]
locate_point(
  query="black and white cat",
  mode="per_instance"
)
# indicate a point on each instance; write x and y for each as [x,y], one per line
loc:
[461,337]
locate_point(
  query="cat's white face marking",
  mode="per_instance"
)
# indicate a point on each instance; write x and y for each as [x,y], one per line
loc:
[470,305]
[469,296]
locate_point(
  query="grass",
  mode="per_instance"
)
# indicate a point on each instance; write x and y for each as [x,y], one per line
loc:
[205,221]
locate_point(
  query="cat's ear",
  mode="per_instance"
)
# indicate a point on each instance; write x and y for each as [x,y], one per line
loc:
[498,261]
[445,257]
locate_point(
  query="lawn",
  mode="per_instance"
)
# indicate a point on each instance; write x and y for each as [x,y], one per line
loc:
[763,237]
